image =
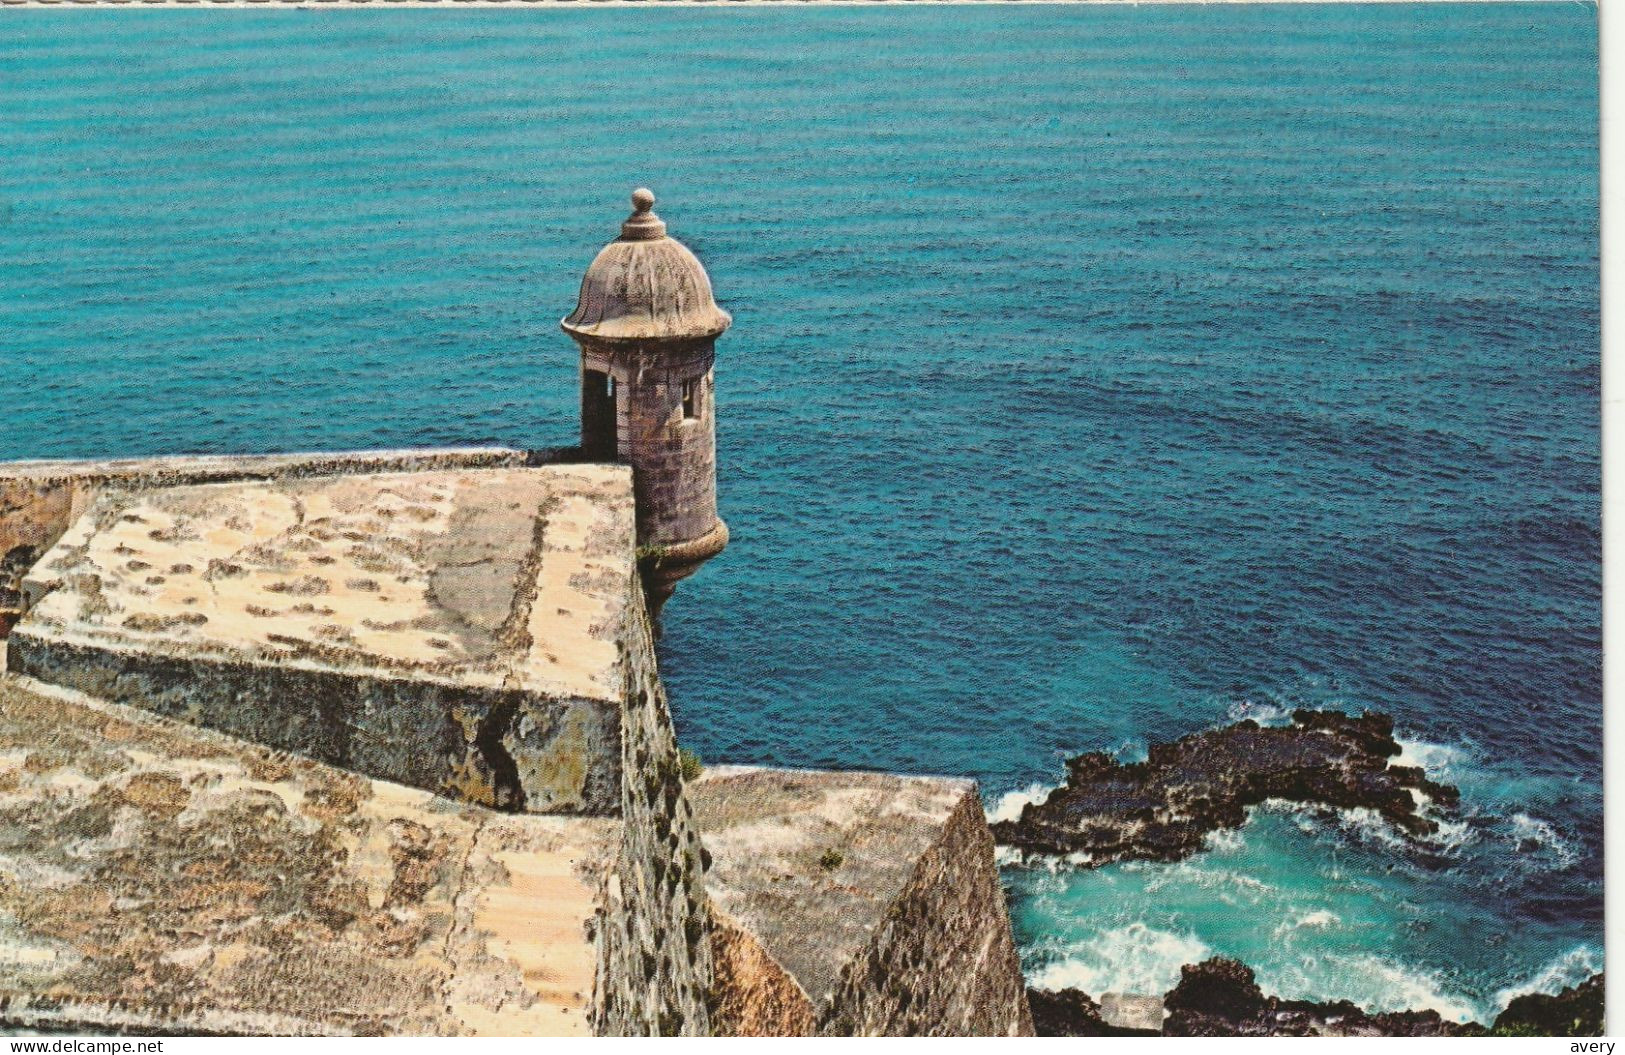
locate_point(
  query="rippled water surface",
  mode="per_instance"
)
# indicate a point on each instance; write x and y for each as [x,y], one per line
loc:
[1099,374]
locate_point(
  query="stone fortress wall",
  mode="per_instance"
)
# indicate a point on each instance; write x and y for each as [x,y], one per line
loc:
[674,937]
[40,499]
[858,904]
[654,932]
[950,911]
[402,625]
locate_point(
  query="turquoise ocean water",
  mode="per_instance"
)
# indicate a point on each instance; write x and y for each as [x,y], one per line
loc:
[1100,374]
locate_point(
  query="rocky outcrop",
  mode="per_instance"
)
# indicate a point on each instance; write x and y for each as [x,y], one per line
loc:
[1219,998]
[1163,808]
[1575,1012]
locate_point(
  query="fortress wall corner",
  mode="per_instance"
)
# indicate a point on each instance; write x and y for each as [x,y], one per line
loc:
[870,905]
[756,996]
[33,515]
[943,962]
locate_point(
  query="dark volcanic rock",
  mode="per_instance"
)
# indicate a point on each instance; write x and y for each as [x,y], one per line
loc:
[1071,1013]
[1219,998]
[1066,1013]
[1162,808]
[1218,988]
[1575,1012]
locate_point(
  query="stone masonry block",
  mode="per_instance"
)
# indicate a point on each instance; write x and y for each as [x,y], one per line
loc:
[457,631]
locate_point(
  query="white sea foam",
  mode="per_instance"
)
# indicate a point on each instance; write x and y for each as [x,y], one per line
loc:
[1261,711]
[1037,863]
[1527,830]
[1371,982]
[1131,959]
[1365,823]
[1572,968]
[1388,986]
[1130,751]
[1006,856]
[1224,840]
[1319,919]
[1196,872]
[1441,762]
[1008,808]
[1452,835]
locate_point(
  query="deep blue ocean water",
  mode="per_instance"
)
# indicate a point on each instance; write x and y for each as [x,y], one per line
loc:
[1099,374]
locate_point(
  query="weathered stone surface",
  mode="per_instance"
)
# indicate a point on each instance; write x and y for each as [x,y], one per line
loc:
[40,499]
[456,631]
[158,877]
[655,971]
[755,996]
[877,894]
[645,286]
[1163,808]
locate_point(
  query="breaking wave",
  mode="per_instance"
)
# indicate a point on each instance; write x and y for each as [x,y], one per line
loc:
[1372,982]
[1131,959]
[1330,919]
[1263,712]
[1008,808]
[1570,969]
[1319,919]
[1365,825]
[1442,762]
[1538,843]
[1224,840]
[1194,872]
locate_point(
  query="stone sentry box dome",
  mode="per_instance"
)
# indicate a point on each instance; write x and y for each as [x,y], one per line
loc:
[647,325]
